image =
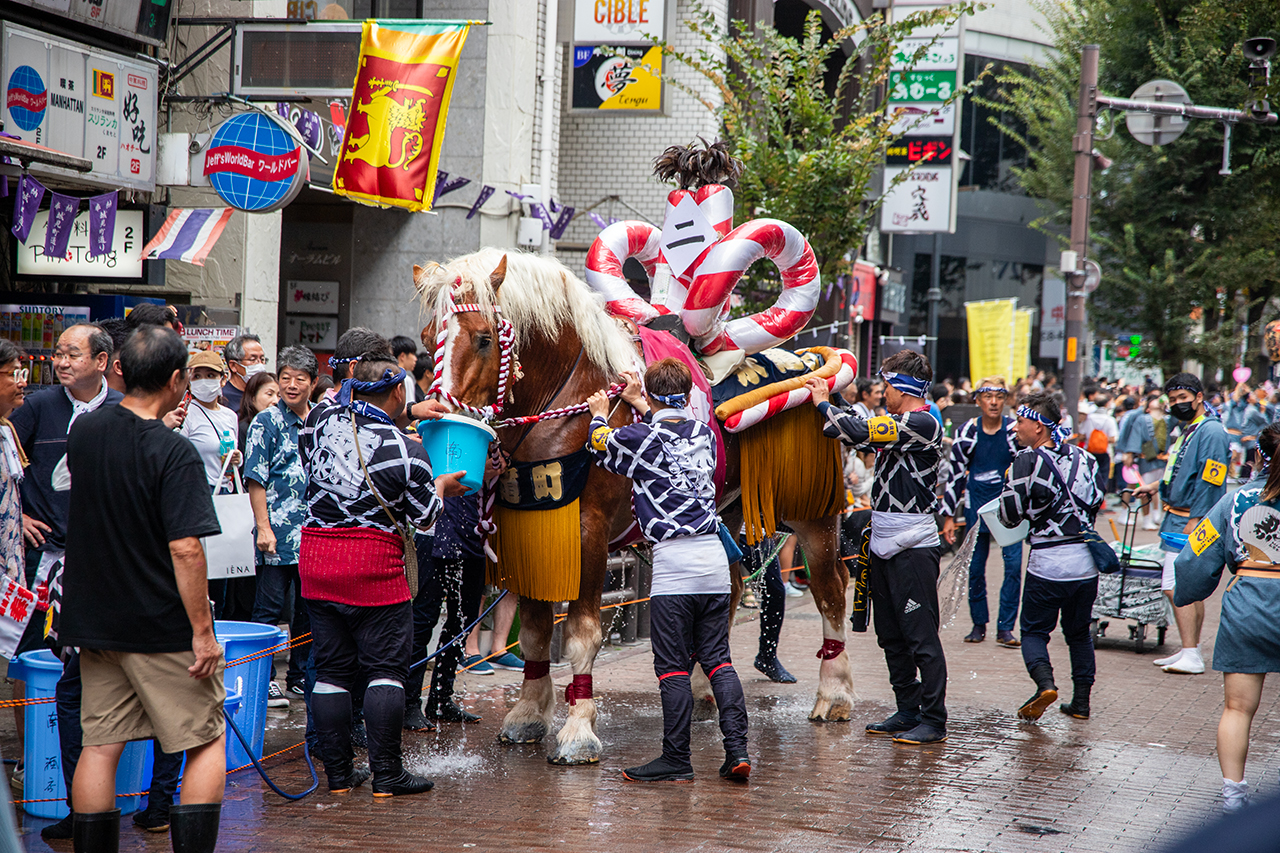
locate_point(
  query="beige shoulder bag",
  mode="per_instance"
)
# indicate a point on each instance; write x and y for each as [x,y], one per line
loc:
[406,535]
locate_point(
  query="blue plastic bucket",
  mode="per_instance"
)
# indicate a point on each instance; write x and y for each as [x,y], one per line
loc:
[1177,541]
[42,754]
[457,443]
[249,680]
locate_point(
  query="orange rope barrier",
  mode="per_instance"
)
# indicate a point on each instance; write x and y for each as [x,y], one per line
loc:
[16,703]
[287,644]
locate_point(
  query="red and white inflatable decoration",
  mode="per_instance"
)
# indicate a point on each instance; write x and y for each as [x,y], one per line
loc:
[700,294]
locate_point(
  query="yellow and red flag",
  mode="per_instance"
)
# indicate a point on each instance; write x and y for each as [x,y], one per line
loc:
[399,104]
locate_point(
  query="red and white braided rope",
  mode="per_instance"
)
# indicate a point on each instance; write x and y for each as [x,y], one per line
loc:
[506,344]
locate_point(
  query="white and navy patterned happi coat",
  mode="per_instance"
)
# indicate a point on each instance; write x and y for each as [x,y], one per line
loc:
[962,446]
[671,464]
[1032,492]
[337,492]
[908,451]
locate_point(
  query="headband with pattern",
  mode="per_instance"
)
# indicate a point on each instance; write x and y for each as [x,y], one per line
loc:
[908,385]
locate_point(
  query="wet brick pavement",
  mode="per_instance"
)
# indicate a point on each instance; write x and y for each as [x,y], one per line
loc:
[1137,775]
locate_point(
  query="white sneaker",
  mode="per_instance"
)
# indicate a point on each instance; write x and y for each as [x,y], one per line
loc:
[1171,659]
[1235,796]
[794,592]
[1150,525]
[1190,663]
[276,697]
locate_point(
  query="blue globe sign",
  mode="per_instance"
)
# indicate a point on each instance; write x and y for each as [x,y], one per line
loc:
[254,164]
[26,97]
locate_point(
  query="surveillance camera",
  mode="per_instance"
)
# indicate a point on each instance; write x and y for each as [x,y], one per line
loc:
[1259,49]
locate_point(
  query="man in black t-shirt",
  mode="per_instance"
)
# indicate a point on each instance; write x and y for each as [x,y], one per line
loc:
[136,598]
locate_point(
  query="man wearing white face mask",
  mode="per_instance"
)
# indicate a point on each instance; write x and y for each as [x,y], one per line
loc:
[245,358]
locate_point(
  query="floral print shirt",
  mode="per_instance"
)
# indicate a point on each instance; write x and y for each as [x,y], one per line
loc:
[272,460]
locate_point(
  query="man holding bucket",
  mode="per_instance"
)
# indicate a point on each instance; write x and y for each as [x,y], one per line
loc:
[368,488]
[1053,485]
[981,453]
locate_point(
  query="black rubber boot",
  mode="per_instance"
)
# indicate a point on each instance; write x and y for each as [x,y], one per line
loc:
[414,719]
[661,769]
[331,713]
[96,832]
[925,733]
[736,768]
[448,711]
[384,719]
[1046,693]
[60,831]
[977,635]
[194,828]
[1079,707]
[774,670]
[900,722]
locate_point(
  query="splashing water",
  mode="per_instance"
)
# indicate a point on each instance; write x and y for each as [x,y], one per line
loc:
[456,762]
[953,581]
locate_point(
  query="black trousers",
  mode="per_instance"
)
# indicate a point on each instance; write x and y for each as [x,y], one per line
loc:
[457,584]
[684,629]
[349,641]
[1042,602]
[904,610]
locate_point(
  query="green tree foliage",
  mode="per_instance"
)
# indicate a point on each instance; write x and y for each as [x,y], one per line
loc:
[1180,246]
[812,154]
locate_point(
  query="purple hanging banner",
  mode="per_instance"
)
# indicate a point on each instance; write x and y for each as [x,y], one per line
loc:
[25,205]
[444,185]
[566,216]
[102,224]
[310,129]
[541,212]
[485,192]
[555,207]
[598,220]
[521,197]
[62,217]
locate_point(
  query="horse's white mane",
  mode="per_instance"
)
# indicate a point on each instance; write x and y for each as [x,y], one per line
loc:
[539,294]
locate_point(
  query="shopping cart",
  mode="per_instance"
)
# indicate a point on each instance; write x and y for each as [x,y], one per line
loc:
[1133,593]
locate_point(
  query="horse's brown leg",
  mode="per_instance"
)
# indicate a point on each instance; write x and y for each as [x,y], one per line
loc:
[576,742]
[828,580]
[530,719]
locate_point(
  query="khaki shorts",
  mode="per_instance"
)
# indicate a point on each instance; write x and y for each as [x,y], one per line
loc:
[134,696]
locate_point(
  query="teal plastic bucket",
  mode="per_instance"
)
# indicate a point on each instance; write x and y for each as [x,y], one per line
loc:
[457,443]
[42,754]
[249,680]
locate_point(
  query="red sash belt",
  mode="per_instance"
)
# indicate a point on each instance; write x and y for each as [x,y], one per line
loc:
[352,565]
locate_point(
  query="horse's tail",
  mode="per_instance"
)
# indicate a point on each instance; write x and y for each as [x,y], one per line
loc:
[790,470]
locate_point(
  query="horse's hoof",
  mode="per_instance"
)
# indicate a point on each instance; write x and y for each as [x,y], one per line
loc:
[705,709]
[575,754]
[523,733]
[826,710]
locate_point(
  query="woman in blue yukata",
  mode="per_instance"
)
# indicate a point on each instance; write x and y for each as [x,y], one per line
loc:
[1241,532]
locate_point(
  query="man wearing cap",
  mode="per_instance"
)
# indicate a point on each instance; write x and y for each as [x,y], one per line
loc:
[1053,486]
[368,488]
[1194,479]
[981,453]
[904,542]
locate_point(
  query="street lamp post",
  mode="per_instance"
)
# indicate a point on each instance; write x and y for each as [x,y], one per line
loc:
[934,296]
[1081,198]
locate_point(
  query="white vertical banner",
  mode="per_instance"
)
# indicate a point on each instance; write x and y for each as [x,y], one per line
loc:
[1053,318]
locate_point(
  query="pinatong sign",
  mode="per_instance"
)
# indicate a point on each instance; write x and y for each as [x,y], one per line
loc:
[254,164]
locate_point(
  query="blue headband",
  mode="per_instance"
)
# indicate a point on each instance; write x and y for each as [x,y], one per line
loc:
[992,389]
[1057,431]
[677,400]
[388,381]
[334,362]
[1208,407]
[908,385]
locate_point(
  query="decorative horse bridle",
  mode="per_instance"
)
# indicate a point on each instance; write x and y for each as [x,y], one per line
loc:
[506,347]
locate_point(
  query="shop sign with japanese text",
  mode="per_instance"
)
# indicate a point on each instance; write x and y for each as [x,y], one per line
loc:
[84,102]
[922,203]
[915,86]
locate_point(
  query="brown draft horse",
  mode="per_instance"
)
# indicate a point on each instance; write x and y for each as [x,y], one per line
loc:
[568,347]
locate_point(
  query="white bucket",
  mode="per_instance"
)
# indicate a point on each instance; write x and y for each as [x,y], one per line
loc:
[999,532]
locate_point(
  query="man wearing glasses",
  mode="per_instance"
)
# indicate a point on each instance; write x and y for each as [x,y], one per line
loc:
[246,358]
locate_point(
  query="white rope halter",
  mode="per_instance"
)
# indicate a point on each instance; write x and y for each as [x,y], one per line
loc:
[506,345]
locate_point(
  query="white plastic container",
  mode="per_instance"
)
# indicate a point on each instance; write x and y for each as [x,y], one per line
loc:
[1003,535]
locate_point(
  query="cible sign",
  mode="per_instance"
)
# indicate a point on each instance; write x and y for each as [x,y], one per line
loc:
[919,149]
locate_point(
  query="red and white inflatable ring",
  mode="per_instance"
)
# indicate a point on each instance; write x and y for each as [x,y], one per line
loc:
[609,252]
[724,264]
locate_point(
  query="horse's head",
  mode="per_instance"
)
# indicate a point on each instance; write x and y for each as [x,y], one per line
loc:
[473,346]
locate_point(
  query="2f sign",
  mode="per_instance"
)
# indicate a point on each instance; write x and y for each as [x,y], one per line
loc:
[618,21]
